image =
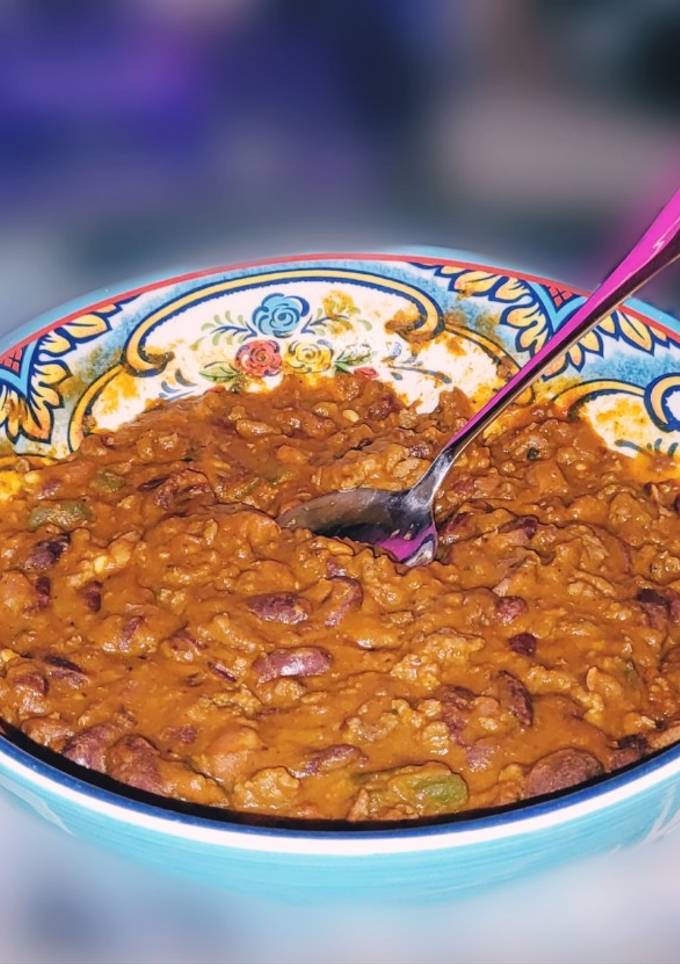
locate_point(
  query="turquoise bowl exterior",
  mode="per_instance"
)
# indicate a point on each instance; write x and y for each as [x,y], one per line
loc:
[413,863]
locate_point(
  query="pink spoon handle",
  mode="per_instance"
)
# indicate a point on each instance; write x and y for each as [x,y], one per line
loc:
[657,248]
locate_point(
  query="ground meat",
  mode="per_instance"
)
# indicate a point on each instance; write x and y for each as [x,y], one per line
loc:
[231,753]
[180,734]
[158,625]
[50,731]
[183,647]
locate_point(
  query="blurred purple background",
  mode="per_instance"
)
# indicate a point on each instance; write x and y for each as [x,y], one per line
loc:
[148,134]
[143,135]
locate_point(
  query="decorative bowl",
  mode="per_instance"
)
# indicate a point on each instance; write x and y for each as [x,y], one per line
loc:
[101,359]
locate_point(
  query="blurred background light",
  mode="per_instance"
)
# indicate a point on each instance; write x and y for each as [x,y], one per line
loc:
[144,135]
[138,135]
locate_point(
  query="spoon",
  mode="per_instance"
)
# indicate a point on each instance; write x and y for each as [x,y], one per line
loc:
[402,523]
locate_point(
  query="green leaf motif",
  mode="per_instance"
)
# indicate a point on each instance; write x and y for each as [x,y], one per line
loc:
[353,355]
[221,372]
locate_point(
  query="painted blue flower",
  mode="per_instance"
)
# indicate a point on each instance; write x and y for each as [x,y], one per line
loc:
[279,315]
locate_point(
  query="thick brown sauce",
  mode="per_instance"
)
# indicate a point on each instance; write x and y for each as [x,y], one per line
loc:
[157,625]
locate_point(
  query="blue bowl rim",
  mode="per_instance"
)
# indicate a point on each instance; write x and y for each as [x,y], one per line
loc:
[459,830]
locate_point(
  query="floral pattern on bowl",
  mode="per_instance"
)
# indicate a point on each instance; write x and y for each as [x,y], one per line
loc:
[422,325]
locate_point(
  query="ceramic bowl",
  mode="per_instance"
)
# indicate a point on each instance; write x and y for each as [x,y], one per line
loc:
[423,322]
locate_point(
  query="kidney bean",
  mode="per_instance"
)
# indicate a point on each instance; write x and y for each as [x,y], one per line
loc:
[561,769]
[62,668]
[656,605]
[346,594]
[479,755]
[279,607]
[457,705]
[458,696]
[304,661]
[331,758]
[180,734]
[383,407]
[516,698]
[46,552]
[528,523]
[420,450]
[219,669]
[335,568]
[674,606]
[456,719]
[523,643]
[128,630]
[509,608]
[30,682]
[43,587]
[628,750]
[676,504]
[92,596]
[452,529]
[651,597]
[186,483]
[151,484]
[88,748]
[133,760]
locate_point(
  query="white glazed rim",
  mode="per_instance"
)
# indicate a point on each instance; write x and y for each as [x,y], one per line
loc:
[45,781]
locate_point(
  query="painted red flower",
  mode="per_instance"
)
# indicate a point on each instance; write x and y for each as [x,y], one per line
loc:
[366,372]
[259,358]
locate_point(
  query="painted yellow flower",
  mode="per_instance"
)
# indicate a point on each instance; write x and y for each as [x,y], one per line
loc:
[338,304]
[307,357]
